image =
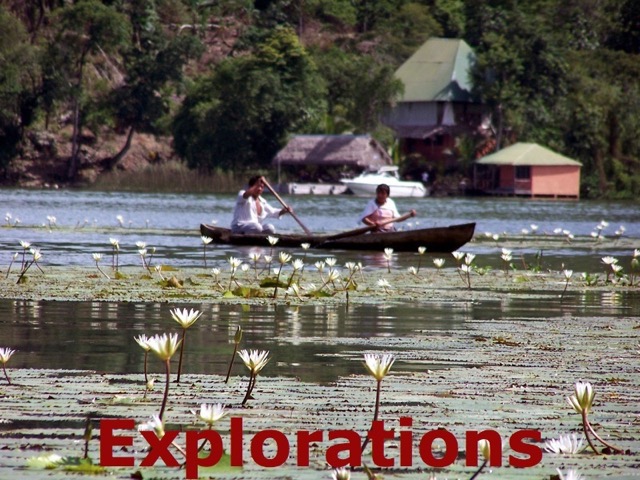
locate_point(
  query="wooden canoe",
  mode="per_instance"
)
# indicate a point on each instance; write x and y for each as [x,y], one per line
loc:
[438,239]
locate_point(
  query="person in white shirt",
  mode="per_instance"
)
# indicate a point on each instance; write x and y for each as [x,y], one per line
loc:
[251,210]
[380,210]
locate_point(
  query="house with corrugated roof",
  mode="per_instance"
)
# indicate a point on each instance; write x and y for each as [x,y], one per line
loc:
[316,163]
[527,170]
[437,104]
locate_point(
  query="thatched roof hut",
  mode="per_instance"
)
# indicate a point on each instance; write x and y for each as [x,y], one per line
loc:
[356,151]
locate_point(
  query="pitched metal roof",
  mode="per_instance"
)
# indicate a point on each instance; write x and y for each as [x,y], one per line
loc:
[526,154]
[438,71]
[354,150]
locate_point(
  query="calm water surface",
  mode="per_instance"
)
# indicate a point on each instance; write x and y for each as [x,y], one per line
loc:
[315,343]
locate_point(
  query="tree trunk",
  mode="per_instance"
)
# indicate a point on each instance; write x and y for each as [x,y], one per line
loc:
[75,142]
[113,161]
[602,176]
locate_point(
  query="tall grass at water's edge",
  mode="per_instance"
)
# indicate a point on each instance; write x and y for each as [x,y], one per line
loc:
[172,177]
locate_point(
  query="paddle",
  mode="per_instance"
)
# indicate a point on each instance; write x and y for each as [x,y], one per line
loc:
[266,184]
[359,231]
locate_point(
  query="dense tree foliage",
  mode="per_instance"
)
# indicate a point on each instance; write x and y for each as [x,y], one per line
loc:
[563,73]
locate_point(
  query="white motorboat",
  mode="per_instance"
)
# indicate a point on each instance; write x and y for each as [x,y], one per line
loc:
[365,184]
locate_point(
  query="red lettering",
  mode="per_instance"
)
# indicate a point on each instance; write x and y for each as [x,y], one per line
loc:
[378,435]
[450,451]
[495,447]
[352,446]
[159,448]
[406,442]
[257,448]
[517,444]
[108,440]
[304,439]
[194,459]
[236,433]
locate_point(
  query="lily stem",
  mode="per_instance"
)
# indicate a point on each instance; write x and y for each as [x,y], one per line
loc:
[166,388]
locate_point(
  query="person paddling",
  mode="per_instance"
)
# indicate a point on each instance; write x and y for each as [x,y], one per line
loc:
[381,209]
[252,210]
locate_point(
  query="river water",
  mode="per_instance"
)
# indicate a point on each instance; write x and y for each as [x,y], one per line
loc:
[310,342]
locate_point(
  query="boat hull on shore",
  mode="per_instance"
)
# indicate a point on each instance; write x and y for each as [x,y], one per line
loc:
[437,239]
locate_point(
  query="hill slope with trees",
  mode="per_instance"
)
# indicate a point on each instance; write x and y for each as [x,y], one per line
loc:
[87,86]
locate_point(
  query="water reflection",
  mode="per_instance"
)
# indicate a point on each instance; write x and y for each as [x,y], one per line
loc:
[312,342]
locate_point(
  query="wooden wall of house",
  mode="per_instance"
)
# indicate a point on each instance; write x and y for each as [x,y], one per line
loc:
[556,181]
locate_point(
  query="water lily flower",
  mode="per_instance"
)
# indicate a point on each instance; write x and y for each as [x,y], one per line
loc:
[115,243]
[154,425]
[305,246]
[120,220]
[185,317]
[570,475]
[272,240]
[341,473]
[297,264]
[293,289]
[284,257]
[582,399]
[330,261]
[413,270]
[206,240]
[255,360]
[567,444]
[210,414]
[458,255]
[5,356]
[143,341]
[609,260]
[388,253]
[165,345]
[320,265]
[533,227]
[378,365]
[438,262]
[468,258]
[25,245]
[97,257]
[567,274]
[384,283]
[37,255]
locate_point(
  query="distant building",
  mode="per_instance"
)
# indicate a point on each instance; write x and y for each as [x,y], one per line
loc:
[316,163]
[437,104]
[527,169]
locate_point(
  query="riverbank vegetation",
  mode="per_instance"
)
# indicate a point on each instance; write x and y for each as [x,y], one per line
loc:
[221,85]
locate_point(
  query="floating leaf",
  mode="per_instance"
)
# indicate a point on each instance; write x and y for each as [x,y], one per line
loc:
[45,462]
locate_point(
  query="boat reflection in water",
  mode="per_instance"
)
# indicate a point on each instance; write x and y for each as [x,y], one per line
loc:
[365,184]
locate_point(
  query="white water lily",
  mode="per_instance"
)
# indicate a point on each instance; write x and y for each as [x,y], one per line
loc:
[272,240]
[115,243]
[421,250]
[412,270]
[206,240]
[609,260]
[141,245]
[185,317]
[143,341]
[533,227]
[298,264]
[458,255]
[568,444]
[506,251]
[245,267]
[268,258]
[466,268]
[468,258]
[567,274]
[332,276]
[438,262]
[305,246]
[255,360]
[25,245]
[570,475]
[5,354]
[582,399]
[37,255]
[234,263]
[378,365]
[506,257]
[210,414]
[165,345]
[485,448]
[384,283]
[154,425]
[388,253]
[97,257]
[341,473]
[636,253]
[330,261]
[254,256]
[284,257]
[320,265]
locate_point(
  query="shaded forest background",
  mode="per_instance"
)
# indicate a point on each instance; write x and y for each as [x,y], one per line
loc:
[90,87]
